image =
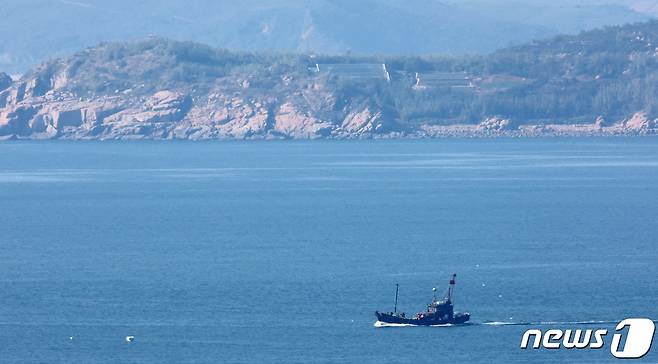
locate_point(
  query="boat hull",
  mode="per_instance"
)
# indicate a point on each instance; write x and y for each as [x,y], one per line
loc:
[431,320]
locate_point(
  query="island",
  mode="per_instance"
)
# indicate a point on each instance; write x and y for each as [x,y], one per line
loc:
[600,82]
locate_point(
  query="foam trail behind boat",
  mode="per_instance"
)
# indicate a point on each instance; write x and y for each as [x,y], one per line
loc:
[544,323]
[386,324]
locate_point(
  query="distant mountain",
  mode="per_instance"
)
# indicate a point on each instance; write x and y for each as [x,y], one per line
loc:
[36,30]
[601,82]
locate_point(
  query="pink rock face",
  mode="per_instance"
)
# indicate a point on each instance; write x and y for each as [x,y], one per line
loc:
[296,124]
[363,122]
[166,100]
[641,123]
[239,118]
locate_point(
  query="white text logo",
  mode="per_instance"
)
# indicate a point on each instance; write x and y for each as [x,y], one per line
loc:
[632,338]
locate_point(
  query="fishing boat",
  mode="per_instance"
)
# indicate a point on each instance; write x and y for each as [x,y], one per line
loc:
[439,312]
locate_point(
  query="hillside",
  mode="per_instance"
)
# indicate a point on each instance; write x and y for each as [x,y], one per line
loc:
[598,82]
[37,30]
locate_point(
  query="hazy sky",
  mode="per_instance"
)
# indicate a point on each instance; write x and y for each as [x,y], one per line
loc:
[36,30]
[646,6]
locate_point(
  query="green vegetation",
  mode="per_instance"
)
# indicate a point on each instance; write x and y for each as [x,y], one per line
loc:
[612,72]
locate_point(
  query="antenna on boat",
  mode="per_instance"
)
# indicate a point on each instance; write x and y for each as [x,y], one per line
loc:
[397,287]
[451,288]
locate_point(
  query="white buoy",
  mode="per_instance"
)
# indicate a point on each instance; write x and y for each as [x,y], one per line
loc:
[130,338]
[70,337]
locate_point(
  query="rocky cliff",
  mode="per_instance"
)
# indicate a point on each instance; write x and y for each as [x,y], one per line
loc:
[160,89]
[97,94]
[176,114]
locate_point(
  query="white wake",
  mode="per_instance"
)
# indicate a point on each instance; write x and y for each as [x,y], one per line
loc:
[386,324]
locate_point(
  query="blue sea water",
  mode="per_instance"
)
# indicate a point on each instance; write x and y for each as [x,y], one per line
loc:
[259,252]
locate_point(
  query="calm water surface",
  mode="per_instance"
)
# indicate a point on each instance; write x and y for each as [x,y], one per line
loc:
[282,251]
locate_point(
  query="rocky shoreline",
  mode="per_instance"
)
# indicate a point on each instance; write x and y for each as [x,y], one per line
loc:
[173,115]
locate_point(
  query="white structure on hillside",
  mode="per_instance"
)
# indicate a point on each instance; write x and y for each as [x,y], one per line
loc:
[443,80]
[355,71]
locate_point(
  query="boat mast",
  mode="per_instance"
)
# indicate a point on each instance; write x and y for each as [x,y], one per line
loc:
[395,309]
[451,287]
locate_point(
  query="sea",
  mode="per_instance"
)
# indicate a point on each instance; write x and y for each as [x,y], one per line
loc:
[282,251]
